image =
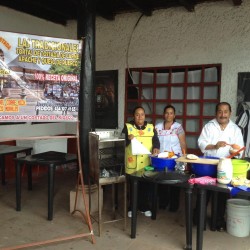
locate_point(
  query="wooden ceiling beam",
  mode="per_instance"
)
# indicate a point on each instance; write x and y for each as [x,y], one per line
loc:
[188,4]
[145,11]
[106,9]
[107,16]
[60,11]
[237,2]
[38,10]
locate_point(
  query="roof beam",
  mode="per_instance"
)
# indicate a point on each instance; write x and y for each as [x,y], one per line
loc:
[188,4]
[38,10]
[105,9]
[107,16]
[142,9]
[237,2]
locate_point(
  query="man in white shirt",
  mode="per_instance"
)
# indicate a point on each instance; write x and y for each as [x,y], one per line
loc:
[219,133]
[215,140]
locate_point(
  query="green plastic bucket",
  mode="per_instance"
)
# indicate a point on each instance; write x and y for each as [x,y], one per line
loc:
[240,168]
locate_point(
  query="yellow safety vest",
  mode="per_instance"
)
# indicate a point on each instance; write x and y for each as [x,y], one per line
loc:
[137,162]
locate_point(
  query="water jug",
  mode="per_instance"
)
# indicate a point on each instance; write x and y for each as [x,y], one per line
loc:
[224,171]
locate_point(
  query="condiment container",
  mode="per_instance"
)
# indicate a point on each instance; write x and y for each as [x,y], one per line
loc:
[224,171]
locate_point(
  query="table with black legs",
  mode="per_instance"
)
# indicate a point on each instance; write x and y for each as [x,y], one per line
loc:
[201,196]
[168,178]
[49,159]
[215,189]
[9,150]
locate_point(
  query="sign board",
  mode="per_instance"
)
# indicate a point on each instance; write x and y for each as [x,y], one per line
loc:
[39,78]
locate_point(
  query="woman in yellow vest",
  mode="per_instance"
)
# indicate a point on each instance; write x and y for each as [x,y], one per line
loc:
[146,134]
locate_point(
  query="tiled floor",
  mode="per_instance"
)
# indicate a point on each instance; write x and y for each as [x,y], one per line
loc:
[31,224]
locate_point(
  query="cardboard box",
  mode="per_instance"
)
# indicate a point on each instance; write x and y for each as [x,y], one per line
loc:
[93,192]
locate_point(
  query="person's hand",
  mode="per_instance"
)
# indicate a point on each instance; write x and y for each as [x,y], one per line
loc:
[156,151]
[130,137]
[220,144]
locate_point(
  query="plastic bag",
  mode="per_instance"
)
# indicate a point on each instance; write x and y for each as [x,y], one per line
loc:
[138,148]
[205,180]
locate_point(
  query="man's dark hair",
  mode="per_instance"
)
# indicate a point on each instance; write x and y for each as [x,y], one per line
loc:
[223,103]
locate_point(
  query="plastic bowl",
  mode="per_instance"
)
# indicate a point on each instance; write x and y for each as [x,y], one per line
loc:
[161,163]
[204,169]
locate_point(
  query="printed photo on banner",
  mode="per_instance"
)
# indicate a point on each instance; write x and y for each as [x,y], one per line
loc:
[106,99]
[39,78]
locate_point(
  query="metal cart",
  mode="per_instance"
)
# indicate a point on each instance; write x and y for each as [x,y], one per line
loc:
[107,167]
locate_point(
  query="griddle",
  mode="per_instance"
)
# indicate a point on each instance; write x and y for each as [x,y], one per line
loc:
[49,156]
[164,177]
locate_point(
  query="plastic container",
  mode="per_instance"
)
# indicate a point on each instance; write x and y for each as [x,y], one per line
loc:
[224,171]
[238,217]
[161,163]
[200,169]
[240,168]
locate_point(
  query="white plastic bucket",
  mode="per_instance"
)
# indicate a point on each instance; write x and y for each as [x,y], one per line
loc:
[238,217]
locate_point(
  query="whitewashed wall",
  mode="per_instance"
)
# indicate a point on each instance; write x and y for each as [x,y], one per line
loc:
[215,33]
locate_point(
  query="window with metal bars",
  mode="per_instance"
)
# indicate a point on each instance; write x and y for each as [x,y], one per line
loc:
[194,91]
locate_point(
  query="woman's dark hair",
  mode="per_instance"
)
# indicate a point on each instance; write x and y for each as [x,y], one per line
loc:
[223,103]
[138,107]
[168,107]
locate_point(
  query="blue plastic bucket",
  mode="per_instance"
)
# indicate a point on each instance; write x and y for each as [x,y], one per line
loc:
[204,169]
[161,163]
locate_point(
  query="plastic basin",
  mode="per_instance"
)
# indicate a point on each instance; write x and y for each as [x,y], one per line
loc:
[162,163]
[204,169]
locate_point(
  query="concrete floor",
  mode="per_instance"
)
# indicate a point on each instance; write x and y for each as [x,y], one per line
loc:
[31,224]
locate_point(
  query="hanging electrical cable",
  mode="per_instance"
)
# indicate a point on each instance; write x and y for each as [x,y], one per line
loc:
[129,42]
[127,64]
